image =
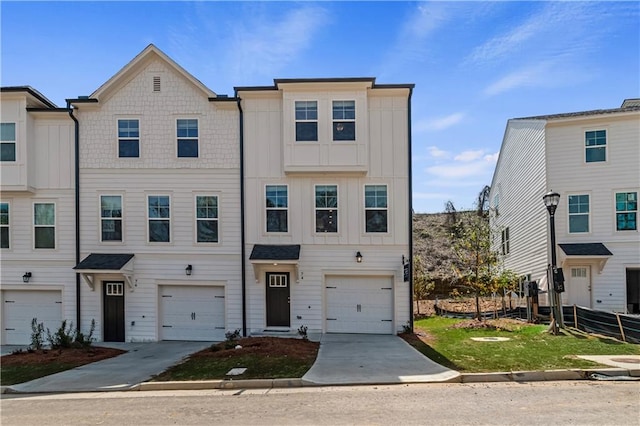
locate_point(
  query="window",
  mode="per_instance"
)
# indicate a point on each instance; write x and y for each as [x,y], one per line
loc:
[626,211]
[4,225]
[306,121]
[496,203]
[128,138]
[111,217]
[159,219]
[207,219]
[596,146]
[375,205]
[326,208]
[578,213]
[277,208]
[44,225]
[7,141]
[187,131]
[505,241]
[578,272]
[344,120]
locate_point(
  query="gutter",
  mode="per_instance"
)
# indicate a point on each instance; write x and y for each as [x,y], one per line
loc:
[77,206]
[242,219]
[410,189]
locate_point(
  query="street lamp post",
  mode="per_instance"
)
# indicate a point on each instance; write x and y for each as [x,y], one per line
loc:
[551,200]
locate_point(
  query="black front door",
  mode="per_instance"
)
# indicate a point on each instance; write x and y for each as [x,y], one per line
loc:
[278,299]
[113,296]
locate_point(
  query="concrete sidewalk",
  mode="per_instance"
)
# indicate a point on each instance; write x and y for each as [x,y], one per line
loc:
[123,372]
[373,359]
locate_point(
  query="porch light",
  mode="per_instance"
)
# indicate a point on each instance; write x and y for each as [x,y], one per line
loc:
[359,257]
[26,277]
[188,270]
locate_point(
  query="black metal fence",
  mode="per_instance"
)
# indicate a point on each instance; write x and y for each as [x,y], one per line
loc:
[620,326]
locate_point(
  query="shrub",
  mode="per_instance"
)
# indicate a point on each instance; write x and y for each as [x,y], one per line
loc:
[37,335]
[302,331]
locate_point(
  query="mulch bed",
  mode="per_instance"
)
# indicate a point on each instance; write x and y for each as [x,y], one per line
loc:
[63,356]
[264,346]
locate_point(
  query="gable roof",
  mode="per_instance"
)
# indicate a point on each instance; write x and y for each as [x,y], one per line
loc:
[37,99]
[629,105]
[130,70]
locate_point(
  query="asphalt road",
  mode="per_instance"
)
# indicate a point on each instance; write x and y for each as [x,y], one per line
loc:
[540,403]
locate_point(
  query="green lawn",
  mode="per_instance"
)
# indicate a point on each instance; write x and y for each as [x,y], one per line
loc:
[23,373]
[530,347]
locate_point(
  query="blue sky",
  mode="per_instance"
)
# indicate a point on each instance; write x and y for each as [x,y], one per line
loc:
[475,64]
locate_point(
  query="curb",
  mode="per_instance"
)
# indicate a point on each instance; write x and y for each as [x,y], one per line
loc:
[223,384]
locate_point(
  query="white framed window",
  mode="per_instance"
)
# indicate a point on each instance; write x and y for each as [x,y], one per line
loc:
[278,280]
[344,120]
[114,289]
[306,114]
[578,213]
[578,272]
[7,141]
[376,208]
[128,138]
[159,218]
[5,243]
[626,211]
[277,208]
[595,142]
[326,201]
[44,225]
[187,136]
[110,218]
[505,241]
[206,219]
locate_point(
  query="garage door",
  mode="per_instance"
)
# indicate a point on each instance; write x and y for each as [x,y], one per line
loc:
[19,307]
[359,305]
[192,313]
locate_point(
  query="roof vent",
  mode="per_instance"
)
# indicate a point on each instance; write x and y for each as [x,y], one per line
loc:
[156,84]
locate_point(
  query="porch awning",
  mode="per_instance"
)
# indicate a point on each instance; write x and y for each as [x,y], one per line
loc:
[275,252]
[106,263]
[591,252]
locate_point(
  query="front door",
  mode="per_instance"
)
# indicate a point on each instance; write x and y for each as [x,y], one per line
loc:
[278,299]
[113,295]
[579,288]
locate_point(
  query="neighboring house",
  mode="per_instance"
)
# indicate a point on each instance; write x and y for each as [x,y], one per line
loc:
[327,205]
[592,160]
[37,211]
[160,205]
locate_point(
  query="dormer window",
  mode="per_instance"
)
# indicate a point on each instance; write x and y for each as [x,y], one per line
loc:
[7,141]
[307,121]
[344,120]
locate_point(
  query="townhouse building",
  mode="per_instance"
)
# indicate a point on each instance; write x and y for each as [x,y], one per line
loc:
[591,159]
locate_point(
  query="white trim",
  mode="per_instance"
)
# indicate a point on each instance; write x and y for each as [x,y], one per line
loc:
[316,208]
[585,148]
[187,138]
[195,219]
[364,211]
[8,225]
[287,209]
[54,226]
[615,211]
[354,121]
[100,219]
[147,195]
[589,214]
[118,157]
[296,121]
[14,142]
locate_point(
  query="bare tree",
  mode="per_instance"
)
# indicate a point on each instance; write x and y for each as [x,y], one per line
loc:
[482,202]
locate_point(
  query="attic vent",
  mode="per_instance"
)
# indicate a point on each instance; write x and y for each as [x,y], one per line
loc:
[156,84]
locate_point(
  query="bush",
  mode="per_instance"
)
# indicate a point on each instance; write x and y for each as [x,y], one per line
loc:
[302,331]
[37,335]
[63,337]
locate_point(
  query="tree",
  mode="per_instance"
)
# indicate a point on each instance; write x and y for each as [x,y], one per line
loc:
[482,201]
[476,261]
[422,284]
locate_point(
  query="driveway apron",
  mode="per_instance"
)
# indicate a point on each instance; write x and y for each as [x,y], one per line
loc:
[373,359]
[139,364]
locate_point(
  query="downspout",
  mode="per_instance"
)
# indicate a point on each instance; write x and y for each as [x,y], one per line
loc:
[242,224]
[77,207]
[410,188]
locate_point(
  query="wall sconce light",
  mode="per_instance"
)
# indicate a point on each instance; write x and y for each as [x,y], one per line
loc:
[359,257]
[188,270]
[26,277]
[403,259]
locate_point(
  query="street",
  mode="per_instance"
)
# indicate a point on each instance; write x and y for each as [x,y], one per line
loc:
[558,403]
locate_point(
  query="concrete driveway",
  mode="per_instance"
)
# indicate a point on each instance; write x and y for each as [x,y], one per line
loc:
[140,363]
[373,359]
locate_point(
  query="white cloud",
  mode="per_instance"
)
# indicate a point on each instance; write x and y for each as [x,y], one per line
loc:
[470,155]
[436,152]
[467,164]
[439,123]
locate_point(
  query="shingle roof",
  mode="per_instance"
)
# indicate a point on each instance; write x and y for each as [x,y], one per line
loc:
[105,261]
[628,105]
[275,252]
[585,249]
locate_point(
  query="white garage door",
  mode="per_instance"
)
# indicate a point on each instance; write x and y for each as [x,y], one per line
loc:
[359,305]
[19,307]
[192,313]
